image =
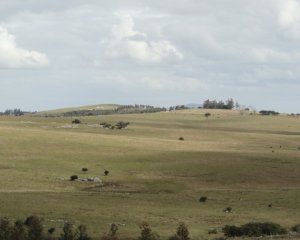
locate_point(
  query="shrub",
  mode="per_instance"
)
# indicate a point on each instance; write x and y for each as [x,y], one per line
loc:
[254,230]
[76,121]
[51,231]
[181,139]
[113,229]
[106,172]
[84,169]
[213,231]
[228,209]
[82,233]
[232,231]
[207,115]
[182,232]
[203,199]
[73,177]
[5,229]
[146,233]
[296,228]
[121,125]
[68,233]
[19,231]
[35,228]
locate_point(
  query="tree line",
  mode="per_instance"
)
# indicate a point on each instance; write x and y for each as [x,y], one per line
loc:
[214,104]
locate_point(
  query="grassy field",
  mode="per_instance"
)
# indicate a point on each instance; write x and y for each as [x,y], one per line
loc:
[241,161]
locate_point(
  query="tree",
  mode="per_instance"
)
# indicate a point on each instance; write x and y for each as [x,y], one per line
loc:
[82,233]
[35,228]
[5,229]
[19,231]
[182,232]
[146,232]
[68,233]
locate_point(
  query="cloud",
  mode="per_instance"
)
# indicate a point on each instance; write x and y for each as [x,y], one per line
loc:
[289,18]
[126,42]
[11,56]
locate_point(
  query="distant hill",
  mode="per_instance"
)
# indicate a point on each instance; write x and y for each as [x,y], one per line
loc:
[101,109]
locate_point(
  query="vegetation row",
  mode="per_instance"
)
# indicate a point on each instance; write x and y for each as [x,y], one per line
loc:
[33,229]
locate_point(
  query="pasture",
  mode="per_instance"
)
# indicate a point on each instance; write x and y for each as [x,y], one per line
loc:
[242,161]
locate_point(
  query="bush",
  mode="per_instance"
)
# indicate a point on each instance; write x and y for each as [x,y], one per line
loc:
[106,172]
[5,229]
[207,114]
[68,233]
[35,228]
[84,169]
[213,231]
[203,199]
[121,125]
[19,231]
[254,230]
[228,209]
[181,139]
[76,121]
[146,233]
[73,177]
[182,232]
[82,233]
[296,228]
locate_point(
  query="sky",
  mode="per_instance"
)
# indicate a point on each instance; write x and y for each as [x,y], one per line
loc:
[57,53]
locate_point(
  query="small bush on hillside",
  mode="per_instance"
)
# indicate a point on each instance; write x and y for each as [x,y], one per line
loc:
[19,231]
[228,209]
[76,121]
[254,230]
[5,229]
[146,233]
[121,125]
[106,172]
[73,177]
[84,169]
[207,115]
[203,199]
[51,231]
[68,232]
[114,229]
[81,233]
[182,232]
[213,231]
[181,139]
[35,228]
[113,233]
[296,228]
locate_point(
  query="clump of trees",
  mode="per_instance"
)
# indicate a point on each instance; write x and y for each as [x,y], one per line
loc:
[119,125]
[14,112]
[254,230]
[178,107]
[214,104]
[123,109]
[268,112]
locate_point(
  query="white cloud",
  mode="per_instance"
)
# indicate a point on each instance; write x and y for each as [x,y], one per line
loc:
[126,42]
[289,17]
[11,56]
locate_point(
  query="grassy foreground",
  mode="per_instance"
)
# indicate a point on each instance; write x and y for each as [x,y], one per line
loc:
[241,161]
